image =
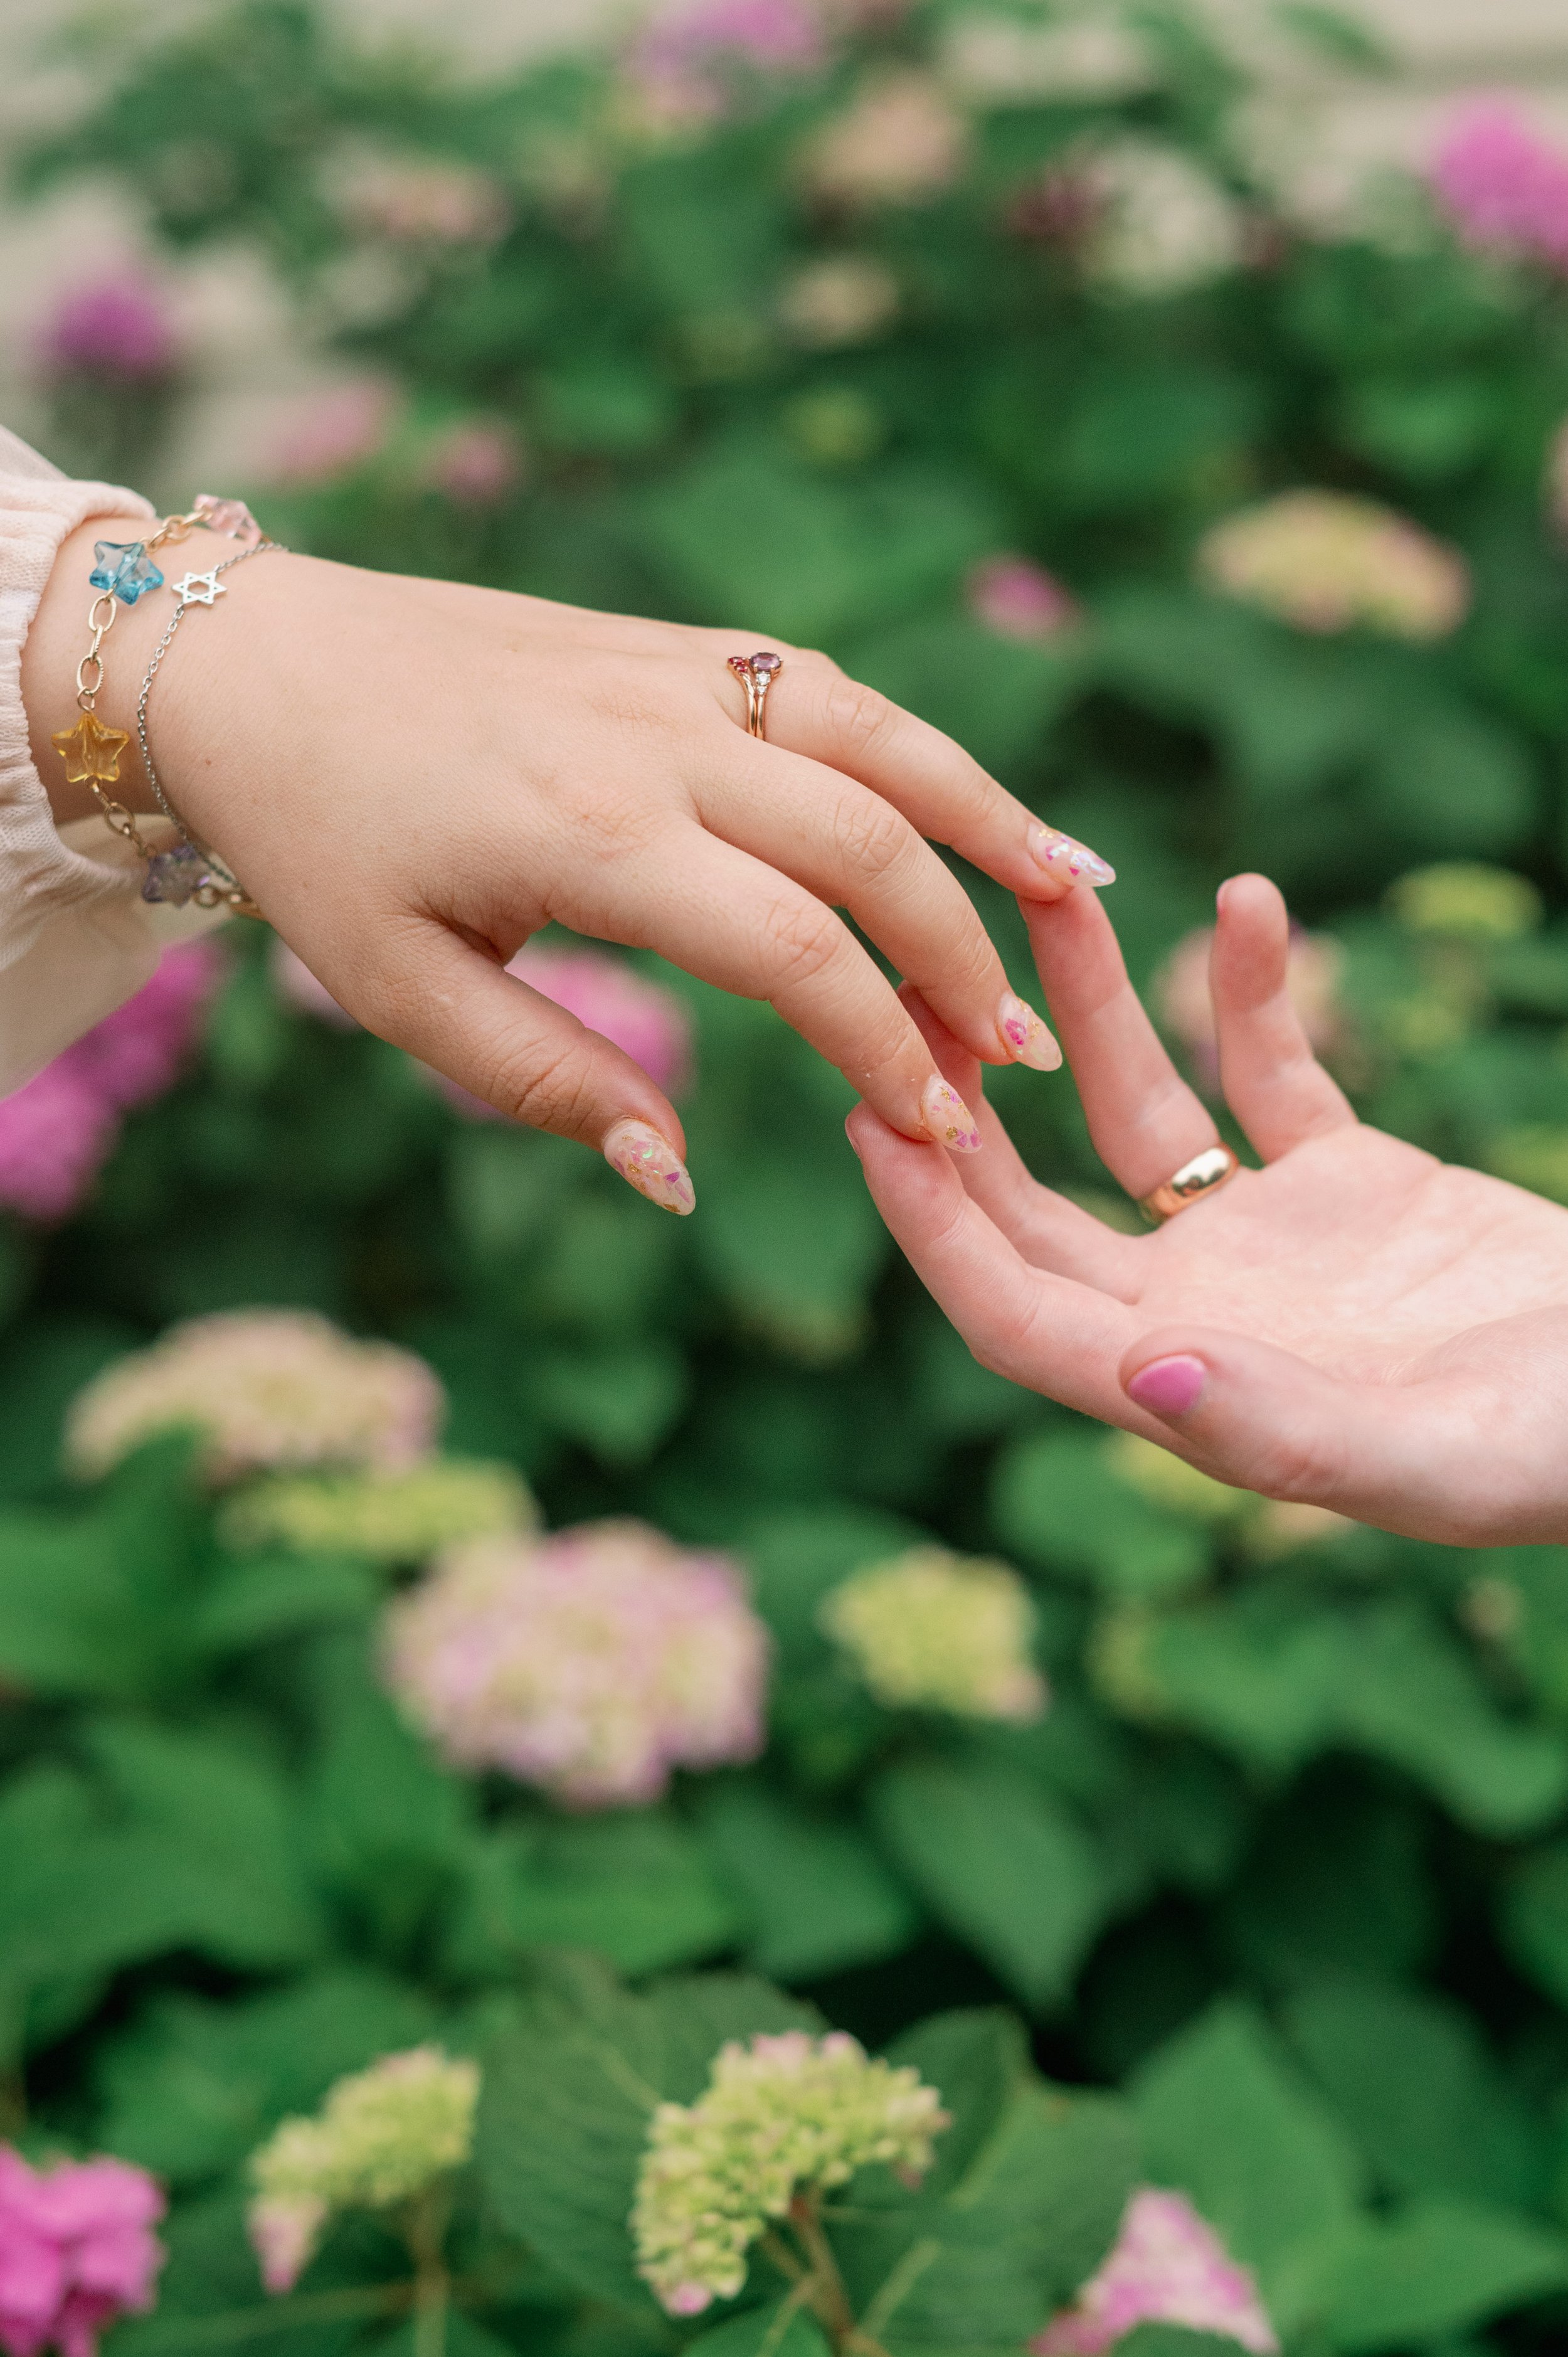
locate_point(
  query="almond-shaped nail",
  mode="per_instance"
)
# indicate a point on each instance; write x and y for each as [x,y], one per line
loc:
[1168,1386]
[1025,1037]
[646,1161]
[1061,855]
[948,1118]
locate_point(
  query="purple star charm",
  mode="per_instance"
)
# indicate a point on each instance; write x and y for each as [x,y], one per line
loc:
[177,876]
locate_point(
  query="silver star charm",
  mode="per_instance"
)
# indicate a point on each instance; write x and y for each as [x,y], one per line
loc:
[200,589]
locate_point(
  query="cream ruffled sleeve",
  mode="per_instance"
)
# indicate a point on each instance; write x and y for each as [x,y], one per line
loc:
[76,937]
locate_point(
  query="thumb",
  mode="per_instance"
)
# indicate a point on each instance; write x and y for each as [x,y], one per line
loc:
[454,1008]
[1263,1419]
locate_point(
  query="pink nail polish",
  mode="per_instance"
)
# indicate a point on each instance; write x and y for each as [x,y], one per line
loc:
[646,1162]
[1025,1037]
[948,1118]
[1060,855]
[1168,1386]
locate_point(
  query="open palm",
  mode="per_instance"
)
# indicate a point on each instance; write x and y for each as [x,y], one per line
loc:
[1355,1324]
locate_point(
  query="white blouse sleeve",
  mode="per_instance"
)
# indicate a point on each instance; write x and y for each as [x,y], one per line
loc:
[76,937]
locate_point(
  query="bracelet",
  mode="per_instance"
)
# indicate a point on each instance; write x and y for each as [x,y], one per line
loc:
[124,572]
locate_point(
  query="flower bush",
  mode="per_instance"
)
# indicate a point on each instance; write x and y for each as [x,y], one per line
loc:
[988,325]
[77,2251]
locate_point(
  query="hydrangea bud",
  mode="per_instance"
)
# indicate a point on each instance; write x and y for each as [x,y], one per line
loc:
[266,1388]
[1168,2267]
[1018,600]
[592,1665]
[784,2116]
[938,1631]
[1325,561]
[77,2251]
[386,1514]
[381,2137]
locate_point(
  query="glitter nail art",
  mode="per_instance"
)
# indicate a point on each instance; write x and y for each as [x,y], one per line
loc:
[645,1161]
[1026,1038]
[1061,855]
[948,1119]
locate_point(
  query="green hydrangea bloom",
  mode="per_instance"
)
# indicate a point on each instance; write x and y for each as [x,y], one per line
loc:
[1464,899]
[1168,1481]
[781,2116]
[381,2137]
[384,1517]
[938,1631]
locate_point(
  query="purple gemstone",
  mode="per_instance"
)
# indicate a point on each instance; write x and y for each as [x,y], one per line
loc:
[175,875]
[767,663]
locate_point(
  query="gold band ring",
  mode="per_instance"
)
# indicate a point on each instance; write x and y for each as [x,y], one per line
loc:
[757,675]
[1204,1175]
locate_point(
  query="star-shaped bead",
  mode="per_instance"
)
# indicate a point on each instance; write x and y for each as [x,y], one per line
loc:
[90,750]
[123,570]
[175,875]
[200,589]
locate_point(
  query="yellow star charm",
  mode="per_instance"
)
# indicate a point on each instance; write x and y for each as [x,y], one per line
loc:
[90,750]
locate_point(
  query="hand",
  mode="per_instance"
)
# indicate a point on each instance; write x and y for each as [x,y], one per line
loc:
[410,777]
[1355,1325]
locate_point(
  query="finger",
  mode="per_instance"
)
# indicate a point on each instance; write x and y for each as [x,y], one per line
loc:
[854,851]
[1045,1227]
[731,921]
[1144,1119]
[1273,1084]
[812,708]
[1033,1327]
[458,1010]
[1263,1419]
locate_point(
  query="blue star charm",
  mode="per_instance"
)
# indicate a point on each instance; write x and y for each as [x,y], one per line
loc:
[123,570]
[200,589]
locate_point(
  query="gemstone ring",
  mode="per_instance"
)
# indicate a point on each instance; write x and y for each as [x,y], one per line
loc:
[757,675]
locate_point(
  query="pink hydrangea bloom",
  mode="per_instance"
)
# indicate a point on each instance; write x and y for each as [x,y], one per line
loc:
[592,1663]
[1168,2267]
[117,327]
[769,35]
[326,434]
[1325,561]
[57,1133]
[1018,600]
[1502,185]
[648,1021]
[473,464]
[77,2251]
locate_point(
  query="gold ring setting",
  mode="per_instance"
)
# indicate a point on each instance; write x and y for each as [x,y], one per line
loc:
[757,675]
[1204,1175]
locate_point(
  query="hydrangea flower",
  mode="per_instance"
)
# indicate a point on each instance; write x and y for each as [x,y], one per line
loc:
[118,328]
[381,2137]
[476,465]
[843,299]
[423,203]
[592,1665]
[1018,600]
[1502,185]
[1465,900]
[324,435]
[782,2116]
[1168,2267]
[388,1514]
[940,1631]
[899,143]
[1325,561]
[57,1133]
[1171,1483]
[76,2250]
[268,1388]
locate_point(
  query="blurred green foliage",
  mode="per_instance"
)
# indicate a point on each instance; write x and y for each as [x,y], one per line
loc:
[1289,1856]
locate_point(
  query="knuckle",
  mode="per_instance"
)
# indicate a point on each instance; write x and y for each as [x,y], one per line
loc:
[800,941]
[549,1092]
[1299,1467]
[871,835]
[858,717]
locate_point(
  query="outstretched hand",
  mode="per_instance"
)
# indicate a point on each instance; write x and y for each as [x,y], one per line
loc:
[1355,1325]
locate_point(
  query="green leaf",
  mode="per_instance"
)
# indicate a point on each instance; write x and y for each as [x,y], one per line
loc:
[1173,2340]
[781,2329]
[1227,2118]
[1439,2267]
[1000,1861]
[816,1895]
[796,1242]
[1535,1919]
[977,2061]
[637,1888]
[618,1399]
[1408,2075]
[1258,1670]
[994,697]
[567,2099]
[268,1596]
[1053,1505]
[1453,783]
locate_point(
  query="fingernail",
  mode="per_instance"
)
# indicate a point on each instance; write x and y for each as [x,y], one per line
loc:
[1168,1386]
[1060,855]
[645,1161]
[947,1117]
[1026,1038]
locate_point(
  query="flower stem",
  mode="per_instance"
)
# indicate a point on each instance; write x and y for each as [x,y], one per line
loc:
[425,2230]
[828,2297]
